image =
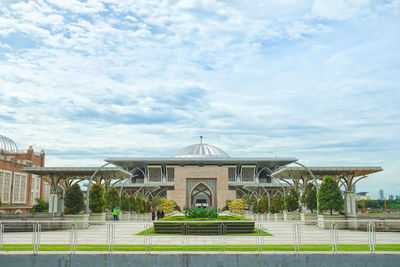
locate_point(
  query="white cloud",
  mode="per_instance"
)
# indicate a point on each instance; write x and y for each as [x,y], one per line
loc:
[87,80]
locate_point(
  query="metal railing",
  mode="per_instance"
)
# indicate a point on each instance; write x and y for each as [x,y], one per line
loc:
[296,236]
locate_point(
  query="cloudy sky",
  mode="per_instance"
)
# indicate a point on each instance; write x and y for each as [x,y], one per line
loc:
[317,80]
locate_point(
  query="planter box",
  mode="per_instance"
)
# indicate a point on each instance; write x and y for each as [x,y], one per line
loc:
[325,221]
[308,218]
[204,228]
[291,216]
[97,218]
[278,216]
[81,220]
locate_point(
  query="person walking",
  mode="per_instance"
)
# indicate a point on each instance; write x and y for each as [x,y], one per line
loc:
[153,215]
[162,214]
[115,214]
[158,214]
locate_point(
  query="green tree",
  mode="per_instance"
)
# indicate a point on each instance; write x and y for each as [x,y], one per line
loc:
[309,197]
[277,204]
[96,198]
[248,199]
[329,196]
[73,200]
[292,200]
[256,207]
[264,205]
[156,201]
[112,198]
[132,203]
[125,203]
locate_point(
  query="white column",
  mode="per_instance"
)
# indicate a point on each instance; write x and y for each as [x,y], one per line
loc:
[349,203]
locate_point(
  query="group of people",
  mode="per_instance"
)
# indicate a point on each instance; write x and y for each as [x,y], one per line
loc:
[159,214]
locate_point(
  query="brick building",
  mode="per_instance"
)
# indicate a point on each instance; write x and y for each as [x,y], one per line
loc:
[19,189]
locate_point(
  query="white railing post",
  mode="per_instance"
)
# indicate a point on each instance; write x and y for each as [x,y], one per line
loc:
[333,237]
[296,237]
[1,235]
[371,237]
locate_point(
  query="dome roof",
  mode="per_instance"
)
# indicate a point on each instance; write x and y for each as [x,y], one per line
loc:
[7,144]
[201,151]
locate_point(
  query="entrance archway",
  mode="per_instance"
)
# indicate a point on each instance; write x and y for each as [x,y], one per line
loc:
[201,195]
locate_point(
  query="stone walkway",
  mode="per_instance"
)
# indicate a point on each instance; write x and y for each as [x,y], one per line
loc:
[125,233]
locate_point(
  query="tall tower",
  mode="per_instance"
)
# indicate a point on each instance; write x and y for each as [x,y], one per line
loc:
[381,195]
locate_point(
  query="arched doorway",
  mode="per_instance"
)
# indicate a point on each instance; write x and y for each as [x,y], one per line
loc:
[201,196]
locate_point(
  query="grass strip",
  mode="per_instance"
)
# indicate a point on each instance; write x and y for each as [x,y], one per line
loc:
[96,247]
[255,233]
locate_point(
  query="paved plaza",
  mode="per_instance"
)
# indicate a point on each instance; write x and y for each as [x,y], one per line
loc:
[126,233]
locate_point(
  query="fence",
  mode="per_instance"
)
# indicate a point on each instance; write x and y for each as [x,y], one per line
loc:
[140,236]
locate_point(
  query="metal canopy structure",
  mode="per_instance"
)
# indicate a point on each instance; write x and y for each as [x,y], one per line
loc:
[271,162]
[79,172]
[345,176]
[320,172]
[66,175]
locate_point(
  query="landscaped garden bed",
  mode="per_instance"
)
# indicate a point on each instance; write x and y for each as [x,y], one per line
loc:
[223,224]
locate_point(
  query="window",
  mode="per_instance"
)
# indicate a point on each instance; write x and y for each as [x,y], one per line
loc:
[35,188]
[46,191]
[170,174]
[231,174]
[248,173]
[19,192]
[154,174]
[5,186]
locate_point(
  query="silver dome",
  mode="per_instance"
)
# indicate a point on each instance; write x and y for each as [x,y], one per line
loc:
[201,151]
[8,145]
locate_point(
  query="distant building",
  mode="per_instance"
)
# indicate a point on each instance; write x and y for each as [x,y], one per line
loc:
[381,194]
[363,195]
[19,189]
[391,197]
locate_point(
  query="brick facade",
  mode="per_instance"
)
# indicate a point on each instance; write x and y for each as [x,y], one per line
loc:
[15,163]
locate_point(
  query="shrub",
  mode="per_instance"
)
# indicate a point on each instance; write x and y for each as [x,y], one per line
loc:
[309,197]
[74,200]
[112,198]
[237,206]
[329,196]
[292,200]
[199,212]
[125,205]
[40,206]
[96,198]
[167,205]
[225,208]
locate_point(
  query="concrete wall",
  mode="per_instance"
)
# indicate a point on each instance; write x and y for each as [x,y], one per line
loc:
[204,260]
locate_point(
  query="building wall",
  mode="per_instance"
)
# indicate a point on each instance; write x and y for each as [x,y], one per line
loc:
[207,172]
[19,189]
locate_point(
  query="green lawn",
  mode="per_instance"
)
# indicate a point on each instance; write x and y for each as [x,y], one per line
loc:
[92,247]
[255,233]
